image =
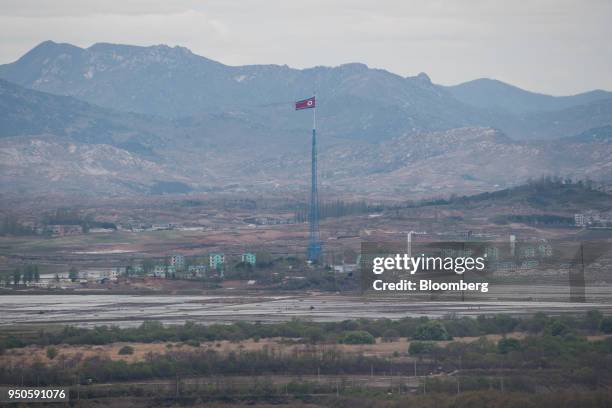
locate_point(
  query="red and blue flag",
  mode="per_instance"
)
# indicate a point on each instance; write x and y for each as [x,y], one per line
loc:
[305,103]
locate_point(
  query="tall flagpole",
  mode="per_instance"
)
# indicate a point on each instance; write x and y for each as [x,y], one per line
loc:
[314,115]
[314,244]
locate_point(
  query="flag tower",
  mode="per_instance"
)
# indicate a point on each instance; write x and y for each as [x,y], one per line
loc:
[315,249]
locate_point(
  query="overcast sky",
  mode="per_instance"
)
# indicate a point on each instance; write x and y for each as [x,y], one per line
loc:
[552,46]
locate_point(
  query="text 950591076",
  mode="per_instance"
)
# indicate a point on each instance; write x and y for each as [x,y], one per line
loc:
[30,394]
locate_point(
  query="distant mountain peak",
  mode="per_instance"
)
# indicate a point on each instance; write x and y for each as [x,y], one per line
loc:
[423,77]
[50,44]
[360,102]
[48,49]
[499,96]
[103,46]
[354,66]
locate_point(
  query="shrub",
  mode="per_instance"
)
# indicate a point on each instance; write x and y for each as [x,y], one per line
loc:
[606,325]
[314,335]
[349,325]
[506,345]
[463,327]
[390,335]
[431,330]
[499,323]
[422,347]
[51,352]
[358,337]
[593,319]
[125,350]
[536,324]
[557,328]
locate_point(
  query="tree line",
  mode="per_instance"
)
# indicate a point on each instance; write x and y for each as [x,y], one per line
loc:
[557,357]
[10,226]
[23,274]
[348,331]
[70,216]
[336,209]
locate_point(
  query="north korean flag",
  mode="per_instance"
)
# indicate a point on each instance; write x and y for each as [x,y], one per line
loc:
[305,104]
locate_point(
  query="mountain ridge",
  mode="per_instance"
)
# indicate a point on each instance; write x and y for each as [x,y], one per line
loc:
[379,132]
[356,101]
[480,92]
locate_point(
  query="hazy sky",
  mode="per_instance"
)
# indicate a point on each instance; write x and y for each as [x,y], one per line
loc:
[551,46]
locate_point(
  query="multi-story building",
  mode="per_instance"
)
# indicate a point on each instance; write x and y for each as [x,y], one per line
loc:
[196,271]
[527,251]
[345,268]
[216,261]
[99,275]
[137,269]
[249,258]
[178,261]
[63,230]
[492,253]
[159,271]
[545,249]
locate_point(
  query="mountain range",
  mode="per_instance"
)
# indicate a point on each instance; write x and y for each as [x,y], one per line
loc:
[493,94]
[132,117]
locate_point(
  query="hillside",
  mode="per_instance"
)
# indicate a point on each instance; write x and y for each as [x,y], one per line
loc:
[50,165]
[493,94]
[57,143]
[355,101]
[378,132]
[596,135]
[26,112]
[544,194]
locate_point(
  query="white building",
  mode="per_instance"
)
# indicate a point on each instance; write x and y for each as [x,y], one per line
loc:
[99,275]
[197,271]
[178,261]
[345,268]
[159,271]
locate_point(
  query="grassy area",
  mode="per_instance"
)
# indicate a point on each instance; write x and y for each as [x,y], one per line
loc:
[486,361]
[90,242]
